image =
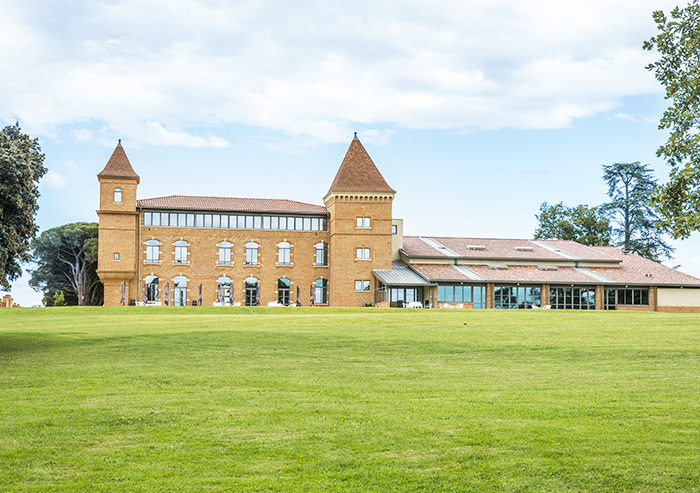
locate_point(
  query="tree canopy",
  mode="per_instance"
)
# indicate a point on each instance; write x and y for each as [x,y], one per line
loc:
[66,259]
[21,167]
[583,224]
[678,70]
[635,224]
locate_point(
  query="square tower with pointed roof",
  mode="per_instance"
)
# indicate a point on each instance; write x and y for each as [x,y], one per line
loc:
[359,201]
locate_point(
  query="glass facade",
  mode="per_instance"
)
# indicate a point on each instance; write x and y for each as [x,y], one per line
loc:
[459,293]
[572,297]
[626,297]
[233,221]
[510,297]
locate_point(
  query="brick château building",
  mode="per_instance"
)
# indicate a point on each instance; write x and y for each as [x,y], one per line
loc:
[349,252]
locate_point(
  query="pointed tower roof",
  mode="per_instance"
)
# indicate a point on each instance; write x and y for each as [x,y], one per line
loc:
[358,173]
[118,164]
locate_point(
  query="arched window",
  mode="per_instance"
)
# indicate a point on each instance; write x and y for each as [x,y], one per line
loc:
[225,253]
[180,291]
[321,254]
[181,252]
[283,285]
[321,291]
[117,194]
[150,288]
[284,253]
[224,290]
[252,293]
[152,251]
[251,253]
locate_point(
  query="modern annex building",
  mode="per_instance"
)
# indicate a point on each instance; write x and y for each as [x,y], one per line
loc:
[185,250]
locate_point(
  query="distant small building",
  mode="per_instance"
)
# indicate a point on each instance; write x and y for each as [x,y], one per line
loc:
[7,302]
[185,250]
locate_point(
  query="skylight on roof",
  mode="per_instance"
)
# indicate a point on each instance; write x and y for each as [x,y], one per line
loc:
[475,247]
[524,249]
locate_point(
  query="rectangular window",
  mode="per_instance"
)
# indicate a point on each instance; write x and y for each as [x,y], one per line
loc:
[363,222]
[181,220]
[216,221]
[266,222]
[248,222]
[257,224]
[164,219]
[200,220]
[116,256]
[190,220]
[147,218]
[173,219]
[394,229]
[224,221]
[362,286]
[307,224]
[283,222]
[299,224]
[315,224]
[362,254]
[274,222]
[207,220]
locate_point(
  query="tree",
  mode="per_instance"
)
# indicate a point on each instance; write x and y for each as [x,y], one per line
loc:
[66,259]
[636,226]
[586,225]
[678,70]
[21,167]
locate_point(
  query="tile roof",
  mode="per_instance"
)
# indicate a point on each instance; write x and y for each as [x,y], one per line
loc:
[531,273]
[578,250]
[637,270]
[230,204]
[442,272]
[357,172]
[118,164]
[502,248]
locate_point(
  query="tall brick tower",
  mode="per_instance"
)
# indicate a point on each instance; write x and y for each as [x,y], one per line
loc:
[359,202]
[118,250]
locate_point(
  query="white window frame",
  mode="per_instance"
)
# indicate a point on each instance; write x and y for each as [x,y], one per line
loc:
[362,253]
[364,223]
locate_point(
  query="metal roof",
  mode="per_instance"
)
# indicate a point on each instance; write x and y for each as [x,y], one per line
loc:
[400,274]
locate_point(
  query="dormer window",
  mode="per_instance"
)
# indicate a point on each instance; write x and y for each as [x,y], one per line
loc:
[117,195]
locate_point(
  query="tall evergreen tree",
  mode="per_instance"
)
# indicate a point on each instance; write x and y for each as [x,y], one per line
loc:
[586,225]
[66,259]
[635,224]
[21,167]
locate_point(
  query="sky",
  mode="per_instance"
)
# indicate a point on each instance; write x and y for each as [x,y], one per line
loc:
[474,112]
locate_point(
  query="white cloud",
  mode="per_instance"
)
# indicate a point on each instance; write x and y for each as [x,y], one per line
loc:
[150,69]
[52,179]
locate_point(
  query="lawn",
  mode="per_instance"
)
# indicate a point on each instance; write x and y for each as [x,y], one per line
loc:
[263,399]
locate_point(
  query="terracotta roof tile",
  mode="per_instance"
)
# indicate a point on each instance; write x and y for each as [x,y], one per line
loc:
[118,164]
[637,270]
[357,172]
[531,273]
[502,248]
[441,272]
[230,204]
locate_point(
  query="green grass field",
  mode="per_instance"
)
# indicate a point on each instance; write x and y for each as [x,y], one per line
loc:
[260,399]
